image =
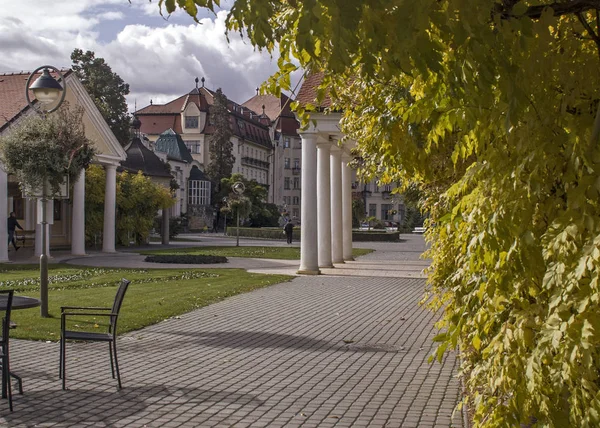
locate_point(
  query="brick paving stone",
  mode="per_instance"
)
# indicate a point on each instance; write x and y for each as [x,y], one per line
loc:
[314,352]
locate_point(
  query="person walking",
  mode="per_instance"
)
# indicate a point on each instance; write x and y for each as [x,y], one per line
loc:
[289,231]
[12,224]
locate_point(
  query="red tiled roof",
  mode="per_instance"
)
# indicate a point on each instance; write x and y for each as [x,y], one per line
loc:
[308,91]
[159,123]
[274,107]
[12,95]
[157,118]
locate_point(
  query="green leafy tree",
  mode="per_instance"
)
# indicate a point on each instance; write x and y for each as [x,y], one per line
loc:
[254,206]
[358,211]
[220,146]
[41,150]
[138,200]
[490,109]
[220,149]
[106,88]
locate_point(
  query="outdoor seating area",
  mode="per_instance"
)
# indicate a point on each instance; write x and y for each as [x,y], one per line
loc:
[111,313]
[281,355]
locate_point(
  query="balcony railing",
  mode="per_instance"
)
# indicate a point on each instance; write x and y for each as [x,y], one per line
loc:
[255,162]
[296,171]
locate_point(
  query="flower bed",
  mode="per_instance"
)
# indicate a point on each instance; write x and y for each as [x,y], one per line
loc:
[189,259]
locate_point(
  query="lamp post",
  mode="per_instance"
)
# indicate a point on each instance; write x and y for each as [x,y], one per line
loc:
[238,188]
[50,95]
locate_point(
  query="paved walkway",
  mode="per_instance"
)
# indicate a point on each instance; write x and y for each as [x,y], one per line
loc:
[325,351]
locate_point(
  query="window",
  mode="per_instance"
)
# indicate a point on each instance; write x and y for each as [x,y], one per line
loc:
[372,210]
[296,200]
[385,211]
[296,163]
[296,212]
[286,183]
[286,143]
[199,192]
[191,121]
[296,183]
[194,146]
[286,163]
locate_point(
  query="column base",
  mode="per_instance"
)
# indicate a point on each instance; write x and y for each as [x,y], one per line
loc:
[79,254]
[308,272]
[331,266]
[341,262]
[350,259]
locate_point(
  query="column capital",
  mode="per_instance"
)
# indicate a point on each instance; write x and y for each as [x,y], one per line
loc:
[308,135]
[335,149]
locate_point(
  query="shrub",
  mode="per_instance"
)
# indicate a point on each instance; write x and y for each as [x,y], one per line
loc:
[176,225]
[263,233]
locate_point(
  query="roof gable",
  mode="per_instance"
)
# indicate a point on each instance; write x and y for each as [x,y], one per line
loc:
[14,106]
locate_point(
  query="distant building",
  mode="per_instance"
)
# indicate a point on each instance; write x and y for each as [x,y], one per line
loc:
[287,156]
[189,117]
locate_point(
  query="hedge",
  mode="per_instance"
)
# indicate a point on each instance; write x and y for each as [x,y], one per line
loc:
[262,232]
[277,233]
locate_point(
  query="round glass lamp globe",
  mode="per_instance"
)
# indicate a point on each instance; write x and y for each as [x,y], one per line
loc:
[46,95]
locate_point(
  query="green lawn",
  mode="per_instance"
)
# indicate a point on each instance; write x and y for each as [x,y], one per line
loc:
[282,253]
[153,295]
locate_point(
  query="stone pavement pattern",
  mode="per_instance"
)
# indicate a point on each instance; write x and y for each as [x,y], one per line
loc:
[314,352]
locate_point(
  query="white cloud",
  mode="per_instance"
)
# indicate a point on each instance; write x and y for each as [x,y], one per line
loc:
[158,58]
[111,16]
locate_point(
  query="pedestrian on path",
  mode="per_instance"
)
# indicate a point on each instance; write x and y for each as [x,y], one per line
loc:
[289,231]
[12,224]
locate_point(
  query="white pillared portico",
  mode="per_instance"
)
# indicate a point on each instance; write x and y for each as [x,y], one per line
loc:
[71,226]
[326,220]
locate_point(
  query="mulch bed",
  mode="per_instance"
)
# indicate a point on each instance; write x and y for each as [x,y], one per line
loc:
[188,259]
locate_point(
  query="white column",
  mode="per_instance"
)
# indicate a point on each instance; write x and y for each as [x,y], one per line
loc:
[3,211]
[309,263]
[336,205]
[78,216]
[110,207]
[29,214]
[324,205]
[346,208]
[165,226]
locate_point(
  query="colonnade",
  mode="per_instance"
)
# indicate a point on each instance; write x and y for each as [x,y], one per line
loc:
[77,217]
[326,209]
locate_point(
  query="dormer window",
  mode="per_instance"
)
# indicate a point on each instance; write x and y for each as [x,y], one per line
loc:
[191,121]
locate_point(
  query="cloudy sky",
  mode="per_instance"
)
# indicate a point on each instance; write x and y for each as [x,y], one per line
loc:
[158,57]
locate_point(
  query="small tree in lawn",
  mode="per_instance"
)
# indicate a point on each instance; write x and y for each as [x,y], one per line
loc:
[220,149]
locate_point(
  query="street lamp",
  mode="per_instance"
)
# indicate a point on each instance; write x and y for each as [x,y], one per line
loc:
[48,92]
[238,188]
